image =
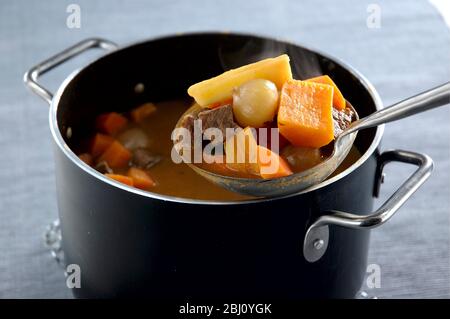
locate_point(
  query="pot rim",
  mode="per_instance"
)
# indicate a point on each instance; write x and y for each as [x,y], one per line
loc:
[58,138]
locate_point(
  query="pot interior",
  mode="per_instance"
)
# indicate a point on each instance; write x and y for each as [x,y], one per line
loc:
[166,67]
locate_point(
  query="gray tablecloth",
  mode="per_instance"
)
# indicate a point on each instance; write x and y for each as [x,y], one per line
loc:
[408,53]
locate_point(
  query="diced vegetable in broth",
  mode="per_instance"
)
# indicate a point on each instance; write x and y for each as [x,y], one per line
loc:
[116,155]
[99,144]
[304,115]
[140,113]
[111,123]
[271,165]
[140,178]
[121,178]
[134,148]
[338,99]
[133,138]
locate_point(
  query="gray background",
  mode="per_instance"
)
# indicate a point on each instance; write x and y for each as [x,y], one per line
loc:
[409,53]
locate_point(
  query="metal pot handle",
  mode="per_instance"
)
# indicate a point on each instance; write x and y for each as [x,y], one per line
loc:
[316,238]
[31,76]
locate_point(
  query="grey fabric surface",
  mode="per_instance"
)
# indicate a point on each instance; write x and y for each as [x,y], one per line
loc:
[409,53]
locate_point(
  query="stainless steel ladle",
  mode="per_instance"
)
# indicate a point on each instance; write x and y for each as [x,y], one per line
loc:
[300,181]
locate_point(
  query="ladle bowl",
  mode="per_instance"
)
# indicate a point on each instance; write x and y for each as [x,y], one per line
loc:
[297,182]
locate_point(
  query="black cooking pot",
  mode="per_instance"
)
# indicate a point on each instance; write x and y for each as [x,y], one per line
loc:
[129,242]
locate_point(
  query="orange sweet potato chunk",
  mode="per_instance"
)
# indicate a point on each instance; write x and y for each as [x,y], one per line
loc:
[338,98]
[305,113]
[272,165]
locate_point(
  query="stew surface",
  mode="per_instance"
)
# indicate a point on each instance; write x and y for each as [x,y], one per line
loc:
[255,121]
[151,135]
[175,179]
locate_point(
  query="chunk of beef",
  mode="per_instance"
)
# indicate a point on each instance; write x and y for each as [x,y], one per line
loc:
[220,117]
[144,159]
[341,120]
[188,123]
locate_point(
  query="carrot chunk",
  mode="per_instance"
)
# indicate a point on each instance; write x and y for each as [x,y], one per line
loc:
[338,98]
[271,165]
[99,144]
[121,178]
[305,113]
[142,112]
[116,155]
[140,178]
[87,158]
[110,123]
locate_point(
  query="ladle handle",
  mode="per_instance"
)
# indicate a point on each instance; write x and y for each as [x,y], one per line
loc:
[419,103]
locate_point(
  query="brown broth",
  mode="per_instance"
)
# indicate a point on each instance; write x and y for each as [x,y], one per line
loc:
[179,179]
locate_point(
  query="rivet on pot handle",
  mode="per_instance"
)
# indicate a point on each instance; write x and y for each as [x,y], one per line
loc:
[31,76]
[316,238]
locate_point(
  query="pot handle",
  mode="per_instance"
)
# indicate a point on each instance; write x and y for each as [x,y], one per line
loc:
[316,238]
[31,76]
